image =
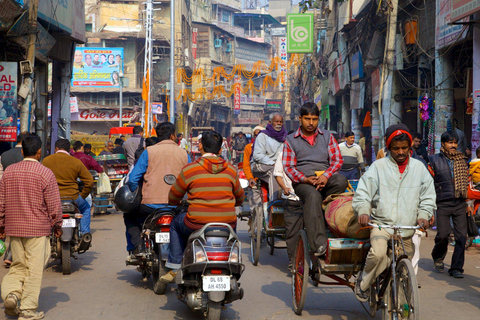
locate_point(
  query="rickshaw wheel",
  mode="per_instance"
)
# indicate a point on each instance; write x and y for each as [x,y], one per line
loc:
[372,302]
[271,243]
[256,235]
[301,269]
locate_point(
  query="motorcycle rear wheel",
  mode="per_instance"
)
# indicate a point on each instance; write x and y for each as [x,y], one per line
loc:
[66,262]
[158,286]
[214,310]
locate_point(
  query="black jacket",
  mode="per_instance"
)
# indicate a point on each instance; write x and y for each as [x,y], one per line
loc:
[444,185]
[11,156]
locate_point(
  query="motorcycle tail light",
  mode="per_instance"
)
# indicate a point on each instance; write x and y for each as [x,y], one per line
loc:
[218,256]
[164,220]
[234,255]
[165,229]
[216,271]
[200,254]
[66,216]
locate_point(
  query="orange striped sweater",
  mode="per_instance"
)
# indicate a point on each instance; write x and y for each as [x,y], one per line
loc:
[213,192]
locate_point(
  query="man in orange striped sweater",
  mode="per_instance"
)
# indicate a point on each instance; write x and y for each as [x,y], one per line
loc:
[213,192]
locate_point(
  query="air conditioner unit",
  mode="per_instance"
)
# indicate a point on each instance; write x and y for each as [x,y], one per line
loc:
[229,47]
[218,43]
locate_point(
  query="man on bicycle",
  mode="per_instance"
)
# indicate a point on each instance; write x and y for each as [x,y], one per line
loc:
[396,190]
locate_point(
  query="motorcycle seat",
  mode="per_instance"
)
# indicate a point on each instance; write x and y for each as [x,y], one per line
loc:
[214,231]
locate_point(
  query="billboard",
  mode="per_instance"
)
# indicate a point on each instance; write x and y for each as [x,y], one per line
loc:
[8,101]
[300,33]
[447,33]
[97,67]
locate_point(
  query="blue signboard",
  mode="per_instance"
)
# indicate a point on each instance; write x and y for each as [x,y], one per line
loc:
[357,66]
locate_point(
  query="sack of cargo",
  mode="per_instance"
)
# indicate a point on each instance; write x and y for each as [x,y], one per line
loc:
[341,218]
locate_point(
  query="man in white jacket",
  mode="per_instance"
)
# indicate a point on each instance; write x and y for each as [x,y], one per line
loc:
[396,190]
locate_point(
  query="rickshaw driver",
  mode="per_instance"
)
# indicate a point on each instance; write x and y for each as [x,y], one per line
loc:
[395,190]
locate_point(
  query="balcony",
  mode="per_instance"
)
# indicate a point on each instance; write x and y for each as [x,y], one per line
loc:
[236,31]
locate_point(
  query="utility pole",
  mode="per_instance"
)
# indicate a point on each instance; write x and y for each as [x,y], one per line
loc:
[120,112]
[172,61]
[386,83]
[147,68]
[25,109]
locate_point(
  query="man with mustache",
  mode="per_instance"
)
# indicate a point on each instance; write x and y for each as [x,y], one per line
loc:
[312,160]
[267,145]
[450,173]
[396,190]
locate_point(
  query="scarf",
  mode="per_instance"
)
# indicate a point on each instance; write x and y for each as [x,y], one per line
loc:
[280,136]
[460,172]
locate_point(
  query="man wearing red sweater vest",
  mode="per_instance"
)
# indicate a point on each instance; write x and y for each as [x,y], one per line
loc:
[213,192]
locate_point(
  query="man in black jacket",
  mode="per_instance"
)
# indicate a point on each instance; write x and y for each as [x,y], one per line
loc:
[450,173]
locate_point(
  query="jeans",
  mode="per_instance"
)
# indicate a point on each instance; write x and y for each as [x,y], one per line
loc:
[179,234]
[85,210]
[134,222]
[351,174]
[456,210]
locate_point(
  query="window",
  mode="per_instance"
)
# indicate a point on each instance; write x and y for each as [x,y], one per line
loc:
[225,16]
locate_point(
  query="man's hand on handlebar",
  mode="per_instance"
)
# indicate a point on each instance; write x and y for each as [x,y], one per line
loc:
[58,232]
[423,223]
[252,183]
[363,220]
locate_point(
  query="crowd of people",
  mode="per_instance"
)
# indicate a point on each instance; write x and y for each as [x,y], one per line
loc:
[302,167]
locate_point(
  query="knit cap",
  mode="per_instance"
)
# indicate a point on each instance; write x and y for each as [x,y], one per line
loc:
[396,130]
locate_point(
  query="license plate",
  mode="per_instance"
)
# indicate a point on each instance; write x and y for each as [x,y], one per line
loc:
[68,223]
[162,237]
[216,283]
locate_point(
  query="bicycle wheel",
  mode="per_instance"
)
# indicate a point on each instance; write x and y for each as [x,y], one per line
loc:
[301,268]
[256,235]
[387,304]
[408,305]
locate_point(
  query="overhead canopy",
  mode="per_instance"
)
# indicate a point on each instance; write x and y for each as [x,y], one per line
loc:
[121,130]
[242,19]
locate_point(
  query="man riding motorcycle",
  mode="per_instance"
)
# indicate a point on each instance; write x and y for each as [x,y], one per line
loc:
[163,158]
[67,170]
[213,191]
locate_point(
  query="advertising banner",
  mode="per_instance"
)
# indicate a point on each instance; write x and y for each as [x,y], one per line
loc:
[300,33]
[157,107]
[97,67]
[8,101]
[275,105]
[194,43]
[282,51]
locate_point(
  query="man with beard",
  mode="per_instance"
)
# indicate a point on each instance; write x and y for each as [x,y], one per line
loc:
[381,196]
[267,145]
[450,174]
[312,160]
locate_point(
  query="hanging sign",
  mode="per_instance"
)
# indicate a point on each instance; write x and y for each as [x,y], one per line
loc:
[237,96]
[300,33]
[282,45]
[8,101]
[97,67]
[157,107]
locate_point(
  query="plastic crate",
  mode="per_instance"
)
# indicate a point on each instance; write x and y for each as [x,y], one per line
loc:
[346,250]
[352,185]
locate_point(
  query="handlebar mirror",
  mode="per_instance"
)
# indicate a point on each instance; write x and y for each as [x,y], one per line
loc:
[169,179]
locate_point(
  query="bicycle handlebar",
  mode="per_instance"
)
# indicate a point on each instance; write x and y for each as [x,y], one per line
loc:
[394,226]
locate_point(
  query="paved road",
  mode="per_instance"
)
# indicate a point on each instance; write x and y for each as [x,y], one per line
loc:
[102,287]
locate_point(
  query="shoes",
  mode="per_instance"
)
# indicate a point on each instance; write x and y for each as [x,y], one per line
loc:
[321,251]
[138,251]
[290,267]
[361,295]
[31,315]
[11,305]
[456,274]
[169,277]
[438,264]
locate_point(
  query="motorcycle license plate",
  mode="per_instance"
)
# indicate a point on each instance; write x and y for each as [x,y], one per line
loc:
[216,283]
[68,223]
[162,237]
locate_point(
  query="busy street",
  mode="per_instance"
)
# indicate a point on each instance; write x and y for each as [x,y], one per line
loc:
[102,287]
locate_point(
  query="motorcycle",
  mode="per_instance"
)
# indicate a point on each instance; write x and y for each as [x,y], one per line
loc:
[156,241]
[71,241]
[210,270]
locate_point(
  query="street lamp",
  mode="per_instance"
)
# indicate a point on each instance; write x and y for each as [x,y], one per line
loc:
[120,82]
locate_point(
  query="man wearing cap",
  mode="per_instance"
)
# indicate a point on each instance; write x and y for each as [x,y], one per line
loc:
[240,144]
[396,190]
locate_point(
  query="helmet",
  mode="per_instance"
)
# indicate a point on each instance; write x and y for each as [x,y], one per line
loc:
[127,200]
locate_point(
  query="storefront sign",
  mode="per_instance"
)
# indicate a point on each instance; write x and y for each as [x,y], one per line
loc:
[248,121]
[282,51]
[194,43]
[98,115]
[463,8]
[300,33]
[357,66]
[8,134]
[446,33]
[97,67]
[318,97]
[244,99]
[73,105]
[275,105]
[476,122]
[278,31]
[8,100]
[237,96]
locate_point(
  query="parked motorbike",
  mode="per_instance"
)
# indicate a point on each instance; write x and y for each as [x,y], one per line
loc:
[210,270]
[71,241]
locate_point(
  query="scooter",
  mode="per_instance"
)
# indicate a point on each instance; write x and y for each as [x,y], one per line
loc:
[210,270]
[71,241]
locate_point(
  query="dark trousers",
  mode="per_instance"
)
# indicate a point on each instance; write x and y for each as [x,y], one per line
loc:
[134,222]
[455,209]
[293,216]
[351,174]
[312,212]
